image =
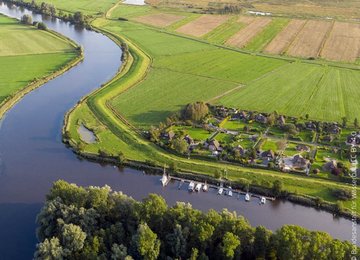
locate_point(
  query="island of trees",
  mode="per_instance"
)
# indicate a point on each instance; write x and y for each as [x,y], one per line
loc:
[96,223]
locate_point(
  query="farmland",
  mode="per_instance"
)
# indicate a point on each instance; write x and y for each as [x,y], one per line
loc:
[40,53]
[303,38]
[85,6]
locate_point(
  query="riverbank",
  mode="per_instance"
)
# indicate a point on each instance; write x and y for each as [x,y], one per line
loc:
[13,98]
[120,143]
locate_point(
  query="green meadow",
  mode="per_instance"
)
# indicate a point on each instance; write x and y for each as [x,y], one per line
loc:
[84,6]
[27,54]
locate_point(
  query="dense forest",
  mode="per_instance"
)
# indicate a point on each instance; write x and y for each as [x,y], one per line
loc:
[97,223]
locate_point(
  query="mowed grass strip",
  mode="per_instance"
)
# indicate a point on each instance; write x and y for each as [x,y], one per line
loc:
[17,39]
[298,89]
[266,35]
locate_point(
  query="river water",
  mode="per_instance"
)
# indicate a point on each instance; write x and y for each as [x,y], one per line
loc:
[32,156]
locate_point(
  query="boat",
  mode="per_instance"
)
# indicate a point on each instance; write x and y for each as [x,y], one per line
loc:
[229,192]
[262,200]
[220,191]
[198,187]
[247,197]
[164,179]
[191,186]
[205,188]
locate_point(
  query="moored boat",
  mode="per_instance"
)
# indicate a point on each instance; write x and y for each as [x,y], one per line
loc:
[220,191]
[247,197]
[191,186]
[262,200]
[205,188]
[198,187]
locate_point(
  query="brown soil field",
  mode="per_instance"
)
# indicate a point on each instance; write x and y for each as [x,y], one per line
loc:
[159,20]
[309,41]
[346,10]
[241,38]
[279,44]
[203,25]
[343,44]
[246,19]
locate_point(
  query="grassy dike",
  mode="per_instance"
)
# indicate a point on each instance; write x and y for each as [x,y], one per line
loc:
[11,100]
[117,139]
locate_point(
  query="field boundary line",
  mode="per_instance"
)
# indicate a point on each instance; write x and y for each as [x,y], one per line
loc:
[225,93]
[295,36]
[326,38]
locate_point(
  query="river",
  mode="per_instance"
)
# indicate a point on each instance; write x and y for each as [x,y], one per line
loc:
[32,155]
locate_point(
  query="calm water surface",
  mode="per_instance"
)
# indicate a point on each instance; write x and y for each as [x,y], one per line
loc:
[32,156]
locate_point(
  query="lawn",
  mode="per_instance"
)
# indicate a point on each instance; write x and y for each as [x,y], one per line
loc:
[264,37]
[269,144]
[27,54]
[234,125]
[198,134]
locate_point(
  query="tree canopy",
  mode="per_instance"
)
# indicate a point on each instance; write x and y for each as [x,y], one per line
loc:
[96,223]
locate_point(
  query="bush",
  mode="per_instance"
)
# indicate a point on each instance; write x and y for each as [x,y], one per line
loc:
[41,26]
[342,194]
[26,19]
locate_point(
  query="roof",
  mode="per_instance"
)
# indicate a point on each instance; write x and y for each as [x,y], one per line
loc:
[268,153]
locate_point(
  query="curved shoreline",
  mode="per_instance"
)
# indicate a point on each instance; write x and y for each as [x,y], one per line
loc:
[14,98]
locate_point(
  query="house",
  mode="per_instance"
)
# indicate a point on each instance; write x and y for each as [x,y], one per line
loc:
[240,149]
[310,125]
[214,145]
[334,129]
[269,155]
[260,118]
[302,148]
[189,140]
[281,120]
[169,135]
[242,115]
[299,162]
[330,166]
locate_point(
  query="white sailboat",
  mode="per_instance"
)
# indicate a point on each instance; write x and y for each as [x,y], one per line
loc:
[247,197]
[220,191]
[198,187]
[263,200]
[191,186]
[205,187]
[229,192]
[164,179]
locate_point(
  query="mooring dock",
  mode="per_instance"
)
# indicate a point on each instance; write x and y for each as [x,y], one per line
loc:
[212,186]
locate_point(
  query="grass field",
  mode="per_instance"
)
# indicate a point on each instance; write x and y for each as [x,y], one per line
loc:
[27,53]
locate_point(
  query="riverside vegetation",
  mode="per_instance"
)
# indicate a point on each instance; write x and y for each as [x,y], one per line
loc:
[96,223]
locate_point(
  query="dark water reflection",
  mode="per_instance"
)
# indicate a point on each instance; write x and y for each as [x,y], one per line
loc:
[32,155]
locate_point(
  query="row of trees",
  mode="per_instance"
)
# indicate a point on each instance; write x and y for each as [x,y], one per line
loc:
[27,19]
[77,18]
[95,223]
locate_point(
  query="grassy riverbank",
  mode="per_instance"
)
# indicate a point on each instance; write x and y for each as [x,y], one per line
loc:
[117,137]
[29,57]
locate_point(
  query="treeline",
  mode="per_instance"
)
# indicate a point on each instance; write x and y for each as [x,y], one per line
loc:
[96,223]
[77,18]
